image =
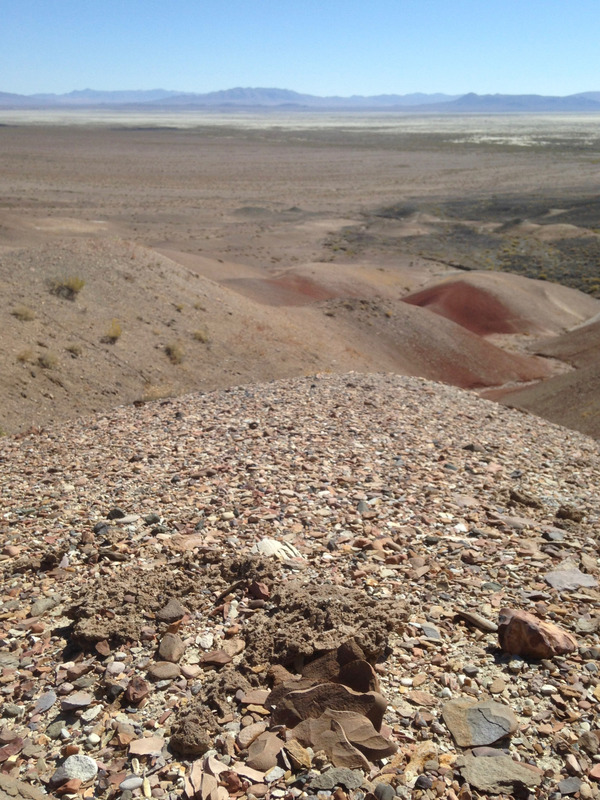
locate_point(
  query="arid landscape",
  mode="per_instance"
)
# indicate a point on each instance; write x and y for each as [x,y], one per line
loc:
[256,248]
[285,513]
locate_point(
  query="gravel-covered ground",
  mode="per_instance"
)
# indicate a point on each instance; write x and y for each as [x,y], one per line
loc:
[146,606]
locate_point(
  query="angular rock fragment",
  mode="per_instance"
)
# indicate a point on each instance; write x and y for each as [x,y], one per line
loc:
[328,735]
[357,730]
[262,753]
[522,634]
[499,775]
[171,647]
[570,579]
[172,612]
[473,724]
[312,703]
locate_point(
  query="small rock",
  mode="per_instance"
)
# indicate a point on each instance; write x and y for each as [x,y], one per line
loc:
[77,766]
[569,786]
[473,724]
[263,751]
[130,783]
[136,690]
[171,647]
[523,634]
[569,579]
[163,671]
[499,775]
[76,700]
[383,791]
[172,612]
[337,776]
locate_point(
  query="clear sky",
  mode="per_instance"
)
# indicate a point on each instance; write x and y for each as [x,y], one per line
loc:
[322,47]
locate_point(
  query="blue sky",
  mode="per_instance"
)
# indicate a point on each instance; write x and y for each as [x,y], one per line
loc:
[329,47]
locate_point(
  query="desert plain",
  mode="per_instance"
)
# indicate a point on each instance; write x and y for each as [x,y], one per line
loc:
[217,250]
[276,518]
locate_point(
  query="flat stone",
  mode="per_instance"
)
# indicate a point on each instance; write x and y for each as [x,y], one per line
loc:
[569,786]
[76,700]
[499,775]
[45,702]
[361,734]
[164,670]
[13,789]
[171,647]
[76,766]
[298,754]
[149,746]
[328,735]
[569,579]
[477,620]
[337,776]
[522,634]
[263,751]
[171,612]
[248,734]
[473,724]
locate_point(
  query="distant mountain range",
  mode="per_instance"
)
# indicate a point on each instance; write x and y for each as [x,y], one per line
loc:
[248,98]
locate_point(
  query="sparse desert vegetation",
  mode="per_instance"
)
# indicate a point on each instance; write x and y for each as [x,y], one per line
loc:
[295,265]
[67,287]
[174,352]
[23,313]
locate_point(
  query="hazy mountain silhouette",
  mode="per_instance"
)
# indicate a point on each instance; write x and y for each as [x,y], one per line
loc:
[273,98]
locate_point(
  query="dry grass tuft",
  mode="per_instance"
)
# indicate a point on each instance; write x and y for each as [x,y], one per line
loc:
[67,287]
[47,360]
[201,335]
[174,352]
[113,333]
[23,313]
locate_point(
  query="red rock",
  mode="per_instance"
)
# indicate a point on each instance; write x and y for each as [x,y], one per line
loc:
[523,634]
[263,751]
[70,787]
[136,690]
[313,702]
[594,773]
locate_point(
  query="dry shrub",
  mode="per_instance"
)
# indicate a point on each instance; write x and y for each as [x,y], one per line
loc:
[201,335]
[25,356]
[67,287]
[47,360]
[23,313]
[113,333]
[174,352]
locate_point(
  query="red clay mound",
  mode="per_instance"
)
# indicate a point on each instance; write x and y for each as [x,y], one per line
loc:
[489,303]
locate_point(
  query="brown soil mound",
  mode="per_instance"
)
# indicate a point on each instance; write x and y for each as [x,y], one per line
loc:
[579,347]
[489,303]
[572,400]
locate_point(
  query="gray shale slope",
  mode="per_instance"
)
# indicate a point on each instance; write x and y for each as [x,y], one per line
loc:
[411,513]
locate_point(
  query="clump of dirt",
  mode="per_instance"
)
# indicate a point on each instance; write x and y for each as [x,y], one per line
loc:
[116,608]
[307,619]
[192,735]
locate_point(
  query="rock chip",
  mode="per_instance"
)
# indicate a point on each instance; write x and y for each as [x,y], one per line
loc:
[338,776]
[13,789]
[263,752]
[76,700]
[473,724]
[76,766]
[172,612]
[136,690]
[164,670]
[171,647]
[328,735]
[569,579]
[499,775]
[522,634]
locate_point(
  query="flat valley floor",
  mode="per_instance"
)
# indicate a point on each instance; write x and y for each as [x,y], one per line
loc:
[146,258]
